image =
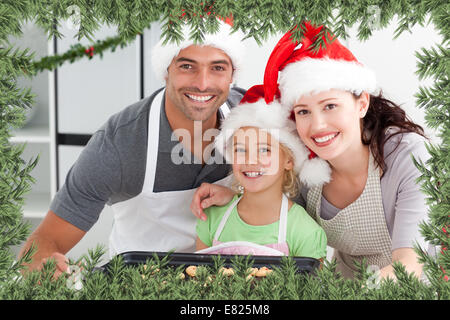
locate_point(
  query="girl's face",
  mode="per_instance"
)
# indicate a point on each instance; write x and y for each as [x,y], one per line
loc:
[329,122]
[258,160]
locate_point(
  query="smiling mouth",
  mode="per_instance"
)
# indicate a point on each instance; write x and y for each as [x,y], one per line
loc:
[198,98]
[253,174]
[325,139]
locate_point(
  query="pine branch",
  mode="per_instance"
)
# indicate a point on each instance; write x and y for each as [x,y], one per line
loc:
[77,52]
[434,62]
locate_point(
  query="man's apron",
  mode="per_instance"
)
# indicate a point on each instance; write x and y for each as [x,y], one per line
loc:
[359,230]
[245,247]
[156,221]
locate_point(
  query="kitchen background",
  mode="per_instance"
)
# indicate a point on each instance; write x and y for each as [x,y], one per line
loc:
[76,99]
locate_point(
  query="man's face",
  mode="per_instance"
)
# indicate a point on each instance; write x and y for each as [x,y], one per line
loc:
[198,81]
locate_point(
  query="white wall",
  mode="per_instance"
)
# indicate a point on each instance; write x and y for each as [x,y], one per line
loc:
[394,63]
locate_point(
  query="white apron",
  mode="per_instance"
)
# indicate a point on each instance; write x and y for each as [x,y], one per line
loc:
[156,221]
[280,248]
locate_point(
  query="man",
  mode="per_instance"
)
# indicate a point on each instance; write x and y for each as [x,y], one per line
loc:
[129,162]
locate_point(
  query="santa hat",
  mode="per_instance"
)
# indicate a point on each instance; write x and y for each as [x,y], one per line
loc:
[302,71]
[225,39]
[256,110]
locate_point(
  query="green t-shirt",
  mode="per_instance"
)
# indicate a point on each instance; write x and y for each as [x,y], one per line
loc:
[304,236]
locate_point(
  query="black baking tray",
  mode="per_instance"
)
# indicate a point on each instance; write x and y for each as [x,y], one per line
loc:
[304,264]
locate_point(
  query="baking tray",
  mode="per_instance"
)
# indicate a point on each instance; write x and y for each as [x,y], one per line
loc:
[174,259]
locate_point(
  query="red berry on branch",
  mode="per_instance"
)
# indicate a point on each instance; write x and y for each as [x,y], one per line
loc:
[90,51]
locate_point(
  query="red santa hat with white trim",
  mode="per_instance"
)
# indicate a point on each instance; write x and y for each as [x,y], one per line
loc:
[266,113]
[296,69]
[225,39]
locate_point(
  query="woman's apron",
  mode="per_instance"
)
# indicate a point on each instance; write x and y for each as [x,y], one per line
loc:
[359,230]
[245,247]
[156,221]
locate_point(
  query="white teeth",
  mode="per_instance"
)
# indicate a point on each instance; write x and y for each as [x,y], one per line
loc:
[253,174]
[326,138]
[199,98]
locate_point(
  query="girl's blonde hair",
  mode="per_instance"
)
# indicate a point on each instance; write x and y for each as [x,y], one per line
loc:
[291,182]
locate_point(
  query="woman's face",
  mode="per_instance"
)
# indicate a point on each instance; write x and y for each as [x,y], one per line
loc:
[329,122]
[258,160]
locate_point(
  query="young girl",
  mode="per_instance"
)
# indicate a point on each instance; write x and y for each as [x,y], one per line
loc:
[266,156]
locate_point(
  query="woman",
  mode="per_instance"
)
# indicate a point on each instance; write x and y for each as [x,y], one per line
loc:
[372,206]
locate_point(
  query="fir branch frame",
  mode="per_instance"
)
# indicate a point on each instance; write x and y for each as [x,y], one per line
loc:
[258,19]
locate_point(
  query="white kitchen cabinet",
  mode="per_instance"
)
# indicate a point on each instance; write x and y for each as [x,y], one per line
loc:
[38,131]
[89,91]
[38,200]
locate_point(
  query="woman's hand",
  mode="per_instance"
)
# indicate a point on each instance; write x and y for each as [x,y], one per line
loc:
[409,258]
[208,195]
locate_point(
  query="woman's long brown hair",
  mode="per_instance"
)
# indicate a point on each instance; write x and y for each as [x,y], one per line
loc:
[382,114]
